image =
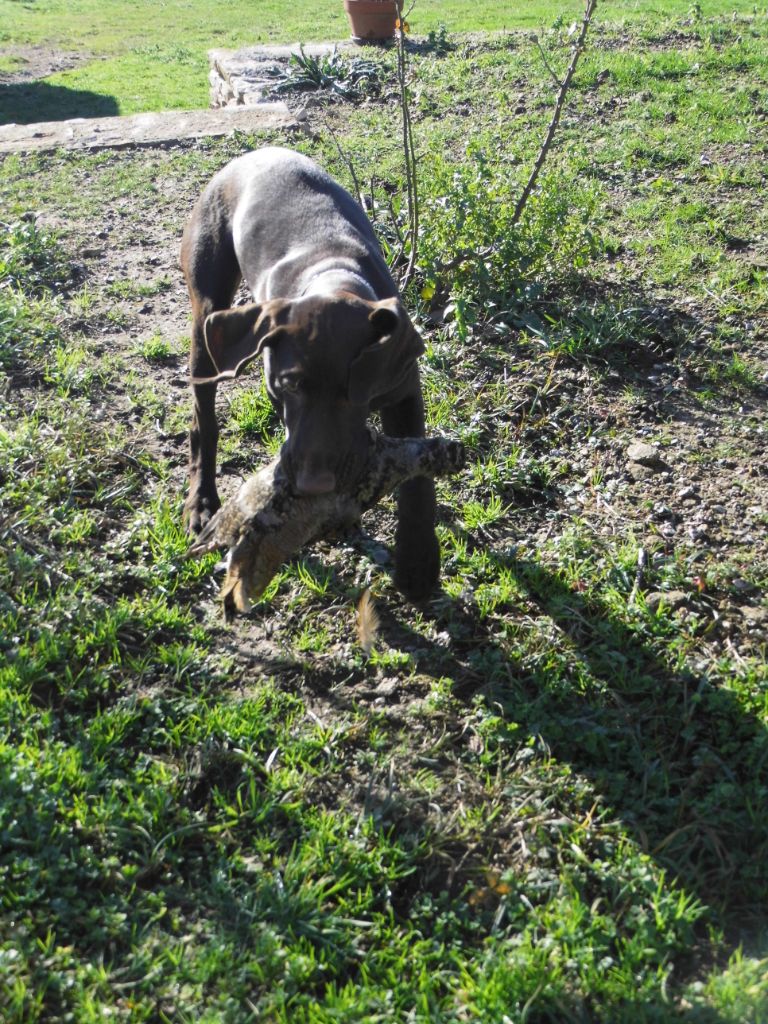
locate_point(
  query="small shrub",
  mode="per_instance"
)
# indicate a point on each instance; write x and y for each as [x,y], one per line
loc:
[468,214]
[438,42]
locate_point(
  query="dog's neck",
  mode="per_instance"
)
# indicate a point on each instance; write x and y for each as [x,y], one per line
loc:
[333,280]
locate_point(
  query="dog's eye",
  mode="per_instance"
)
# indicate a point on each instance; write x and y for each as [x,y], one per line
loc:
[290,384]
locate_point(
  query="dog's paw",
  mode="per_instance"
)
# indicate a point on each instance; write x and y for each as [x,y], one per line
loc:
[417,565]
[198,510]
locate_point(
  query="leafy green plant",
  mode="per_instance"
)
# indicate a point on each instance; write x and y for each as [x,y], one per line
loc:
[314,578]
[32,266]
[477,514]
[349,78]
[438,41]
[31,258]
[23,324]
[252,411]
[469,212]
[156,348]
[736,372]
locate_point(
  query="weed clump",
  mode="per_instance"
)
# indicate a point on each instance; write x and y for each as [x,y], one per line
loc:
[346,78]
[31,259]
[32,267]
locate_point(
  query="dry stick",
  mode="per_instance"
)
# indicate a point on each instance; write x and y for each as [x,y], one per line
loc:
[559,103]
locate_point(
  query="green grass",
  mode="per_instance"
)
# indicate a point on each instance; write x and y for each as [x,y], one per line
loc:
[137,68]
[542,797]
[112,27]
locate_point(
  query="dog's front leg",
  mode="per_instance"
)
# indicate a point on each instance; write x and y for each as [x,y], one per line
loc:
[417,552]
[203,499]
[212,274]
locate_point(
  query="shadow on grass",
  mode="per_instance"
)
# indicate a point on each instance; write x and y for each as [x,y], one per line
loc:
[30,102]
[672,752]
[668,354]
[676,754]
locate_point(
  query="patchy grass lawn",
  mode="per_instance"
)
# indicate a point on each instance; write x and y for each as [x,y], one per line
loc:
[153,56]
[544,797]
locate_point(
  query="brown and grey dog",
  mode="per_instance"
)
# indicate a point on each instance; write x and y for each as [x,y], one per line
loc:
[335,338]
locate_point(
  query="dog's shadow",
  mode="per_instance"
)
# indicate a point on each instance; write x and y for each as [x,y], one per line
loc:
[671,752]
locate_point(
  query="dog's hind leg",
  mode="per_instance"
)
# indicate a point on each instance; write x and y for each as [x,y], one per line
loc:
[212,274]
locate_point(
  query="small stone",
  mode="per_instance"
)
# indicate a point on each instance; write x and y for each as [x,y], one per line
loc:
[755,616]
[388,687]
[644,454]
[639,472]
[380,555]
[672,599]
[662,511]
[743,586]
[688,494]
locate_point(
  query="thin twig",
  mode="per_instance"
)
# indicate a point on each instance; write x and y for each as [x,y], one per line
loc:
[394,259]
[482,254]
[578,46]
[409,149]
[642,566]
[346,159]
[395,225]
[547,65]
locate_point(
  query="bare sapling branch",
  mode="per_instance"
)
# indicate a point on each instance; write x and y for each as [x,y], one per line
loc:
[409,149]
[578,48]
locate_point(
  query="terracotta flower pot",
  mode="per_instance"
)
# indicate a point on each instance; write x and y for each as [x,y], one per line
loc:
[372,19]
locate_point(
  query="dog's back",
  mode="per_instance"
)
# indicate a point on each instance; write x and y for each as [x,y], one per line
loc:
[290,222]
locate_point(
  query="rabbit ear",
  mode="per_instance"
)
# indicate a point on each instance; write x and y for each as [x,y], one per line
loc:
[236,336]
[389,357]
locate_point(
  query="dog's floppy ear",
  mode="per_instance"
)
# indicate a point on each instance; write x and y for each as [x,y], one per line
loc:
[386,361]
[234,337]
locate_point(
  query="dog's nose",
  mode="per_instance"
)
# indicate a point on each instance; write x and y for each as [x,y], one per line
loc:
[315,483]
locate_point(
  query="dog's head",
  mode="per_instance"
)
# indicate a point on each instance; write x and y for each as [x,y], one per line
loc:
[328,360]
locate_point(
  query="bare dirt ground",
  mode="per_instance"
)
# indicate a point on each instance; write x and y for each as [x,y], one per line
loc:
[35,62]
